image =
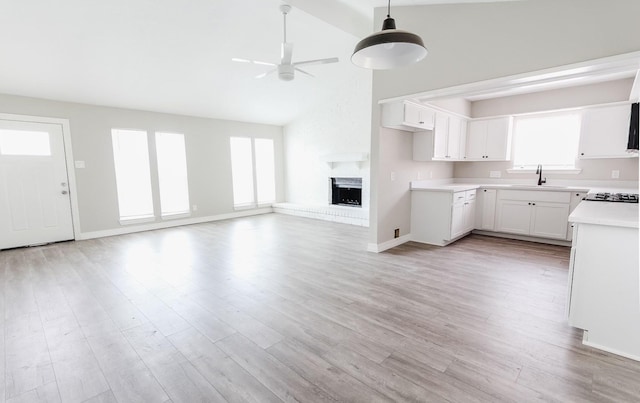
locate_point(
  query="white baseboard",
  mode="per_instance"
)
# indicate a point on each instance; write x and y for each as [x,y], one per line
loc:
[381,247]
[523,237]
[586,342]
[168,224]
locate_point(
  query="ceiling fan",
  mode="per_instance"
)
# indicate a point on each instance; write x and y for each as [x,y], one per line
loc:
[286,69]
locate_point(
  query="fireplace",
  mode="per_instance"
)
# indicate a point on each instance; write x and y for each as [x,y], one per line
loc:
[346,191]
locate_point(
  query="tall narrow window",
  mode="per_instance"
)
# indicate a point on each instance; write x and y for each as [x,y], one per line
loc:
[172,174]
[265,171]
[253,171]
[550,140]
[133,180]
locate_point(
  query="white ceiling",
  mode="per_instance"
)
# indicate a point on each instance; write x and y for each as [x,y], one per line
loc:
[175,56]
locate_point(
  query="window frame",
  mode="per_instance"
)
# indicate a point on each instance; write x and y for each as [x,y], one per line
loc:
[138,219]
[254,203]
[550,168]
[179,214]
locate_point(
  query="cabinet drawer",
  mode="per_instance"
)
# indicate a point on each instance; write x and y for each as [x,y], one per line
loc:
[534,195]
[470,195]
[459,197]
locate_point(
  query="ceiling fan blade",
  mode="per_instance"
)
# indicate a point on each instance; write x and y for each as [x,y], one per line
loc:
[236,59]
[304,72]
[263,75]
[318,61]
[286,50]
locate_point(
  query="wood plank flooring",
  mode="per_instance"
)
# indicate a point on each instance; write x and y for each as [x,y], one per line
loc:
[280,308]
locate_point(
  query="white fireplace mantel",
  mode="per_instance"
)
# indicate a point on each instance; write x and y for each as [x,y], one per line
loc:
[357,158]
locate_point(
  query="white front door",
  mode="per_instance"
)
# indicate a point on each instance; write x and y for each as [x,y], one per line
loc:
[35,205]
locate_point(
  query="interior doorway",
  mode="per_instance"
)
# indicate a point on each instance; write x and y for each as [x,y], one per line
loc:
[35,197]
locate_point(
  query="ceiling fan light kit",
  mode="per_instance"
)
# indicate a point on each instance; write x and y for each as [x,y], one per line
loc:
[286,69]
[390,48]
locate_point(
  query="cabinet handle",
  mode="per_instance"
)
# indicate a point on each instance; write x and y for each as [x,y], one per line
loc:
[533,204]
[485,190]
[581,153]
[529,203]
[421,123]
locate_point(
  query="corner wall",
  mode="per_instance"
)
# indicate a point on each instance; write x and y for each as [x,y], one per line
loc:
[339,122]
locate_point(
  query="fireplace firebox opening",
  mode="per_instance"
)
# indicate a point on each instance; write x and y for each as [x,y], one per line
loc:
[346,191]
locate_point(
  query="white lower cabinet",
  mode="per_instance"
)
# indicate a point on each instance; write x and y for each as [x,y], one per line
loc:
[440,217]
[533,213]
[576,198]
[486,209]
[549,220]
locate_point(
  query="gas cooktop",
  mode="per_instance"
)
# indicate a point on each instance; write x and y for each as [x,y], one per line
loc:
[613,197]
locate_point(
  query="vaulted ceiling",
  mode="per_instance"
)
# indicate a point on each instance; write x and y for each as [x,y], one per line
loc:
[175,56]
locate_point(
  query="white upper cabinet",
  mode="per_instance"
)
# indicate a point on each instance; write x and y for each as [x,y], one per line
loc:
[446,142]
[408,116]
[489,140]
[440,136]
[604,132]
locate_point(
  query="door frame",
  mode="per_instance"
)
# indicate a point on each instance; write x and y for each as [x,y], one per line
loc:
[68,156]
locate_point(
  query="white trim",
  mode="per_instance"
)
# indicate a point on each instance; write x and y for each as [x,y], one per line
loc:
[68,154]
[586,342]
[381,247]
[137,220]
[545,171]
[169,224]
[175,216]
[614,64]
[550,241]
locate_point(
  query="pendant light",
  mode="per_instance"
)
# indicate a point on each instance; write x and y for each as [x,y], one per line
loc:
[389,48]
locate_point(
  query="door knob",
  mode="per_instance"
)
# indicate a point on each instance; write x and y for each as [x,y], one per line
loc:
[64,192]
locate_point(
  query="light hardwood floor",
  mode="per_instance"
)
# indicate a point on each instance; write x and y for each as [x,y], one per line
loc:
[280,308]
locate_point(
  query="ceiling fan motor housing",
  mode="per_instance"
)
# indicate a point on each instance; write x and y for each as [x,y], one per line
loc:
[285,72]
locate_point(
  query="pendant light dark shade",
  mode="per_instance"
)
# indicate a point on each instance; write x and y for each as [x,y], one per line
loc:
[389,48]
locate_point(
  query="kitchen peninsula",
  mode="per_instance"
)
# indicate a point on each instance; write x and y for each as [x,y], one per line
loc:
[604,281]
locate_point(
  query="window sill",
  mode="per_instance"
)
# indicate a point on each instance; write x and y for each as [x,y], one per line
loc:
[569,171]
[173,216]
[137,220]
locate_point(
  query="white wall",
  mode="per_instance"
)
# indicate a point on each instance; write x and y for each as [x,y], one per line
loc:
[207,148]
[339,122]
[474,42]
[593,94]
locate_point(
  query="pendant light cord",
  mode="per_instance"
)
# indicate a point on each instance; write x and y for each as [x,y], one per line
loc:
[284,15]
[389,9]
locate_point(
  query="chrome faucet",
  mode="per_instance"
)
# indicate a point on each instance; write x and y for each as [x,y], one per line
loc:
[539,173]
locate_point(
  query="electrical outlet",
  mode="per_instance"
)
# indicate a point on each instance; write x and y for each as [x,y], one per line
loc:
[495,174]
[430,174]
[393,176]
[615,174]
[194,207]
[396,233]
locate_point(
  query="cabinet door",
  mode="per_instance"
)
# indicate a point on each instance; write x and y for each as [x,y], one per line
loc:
[549,220]
[412,115]
[576,198]
[498,145]
[457,219]
[462,154]
[476,140]
[469,215]
[453,140]
[514,216]
[604,132]
[441,134]
[488,212]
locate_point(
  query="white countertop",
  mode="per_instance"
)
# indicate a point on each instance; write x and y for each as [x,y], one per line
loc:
[459,187]
[606,213]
